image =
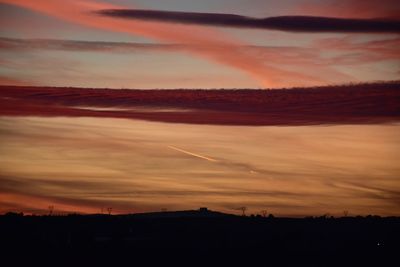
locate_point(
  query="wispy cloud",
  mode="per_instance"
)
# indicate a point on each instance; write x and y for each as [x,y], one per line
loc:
[128,166]
[267,66]
[306,59]
[361,52]
[86,46]
[13,81]
[282,23]
[264,52]
[218,47]
[288,54]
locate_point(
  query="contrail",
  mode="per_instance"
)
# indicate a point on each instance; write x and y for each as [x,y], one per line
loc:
[193,154]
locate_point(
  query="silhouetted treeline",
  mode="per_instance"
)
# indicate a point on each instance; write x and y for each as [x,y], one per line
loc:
[320,241]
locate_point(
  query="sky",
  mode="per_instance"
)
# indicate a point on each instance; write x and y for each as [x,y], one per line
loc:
[70,43]
[302,152]
[86,165]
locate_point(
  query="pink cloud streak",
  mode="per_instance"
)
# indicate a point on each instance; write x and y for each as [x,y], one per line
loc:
[217,47]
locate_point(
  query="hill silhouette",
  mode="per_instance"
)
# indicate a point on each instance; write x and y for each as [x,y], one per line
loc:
[204,213]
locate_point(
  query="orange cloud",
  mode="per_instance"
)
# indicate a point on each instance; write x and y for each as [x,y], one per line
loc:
[216,46]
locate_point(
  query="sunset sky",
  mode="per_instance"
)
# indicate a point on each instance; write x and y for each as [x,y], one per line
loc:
[295,153]
[79,47]
[83,165]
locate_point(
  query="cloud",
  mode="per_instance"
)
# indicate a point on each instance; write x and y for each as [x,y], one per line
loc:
[50,162]
[375,50]
[351,8]
[272,53]
[275,54]
[360,104]
[217,46]
[305,59]
[282,23]
[268,66]
[13,81]
[84,46]
[351,51]
[35,195]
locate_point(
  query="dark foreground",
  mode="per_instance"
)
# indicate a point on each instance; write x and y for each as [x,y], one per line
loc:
[196,238]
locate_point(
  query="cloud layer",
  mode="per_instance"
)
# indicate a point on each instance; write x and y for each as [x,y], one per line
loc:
[84,164]
[265,66]
[343,51]
[282,23]
[351,8]
[218,47]
[86,46]
[358,104]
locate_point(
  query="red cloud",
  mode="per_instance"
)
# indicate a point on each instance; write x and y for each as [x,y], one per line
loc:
[365,103]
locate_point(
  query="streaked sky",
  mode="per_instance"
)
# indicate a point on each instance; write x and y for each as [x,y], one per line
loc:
[250,58]
[83,150]
[86,164]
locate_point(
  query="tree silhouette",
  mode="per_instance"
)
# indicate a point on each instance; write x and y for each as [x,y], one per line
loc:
[51,209]
[264,213]
[243,209]
[109,210]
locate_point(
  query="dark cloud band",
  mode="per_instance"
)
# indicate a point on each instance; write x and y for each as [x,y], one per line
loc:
[352,104]
[283,23]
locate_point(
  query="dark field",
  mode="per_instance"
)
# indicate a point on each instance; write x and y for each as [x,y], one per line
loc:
[167,237]
[347,104]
